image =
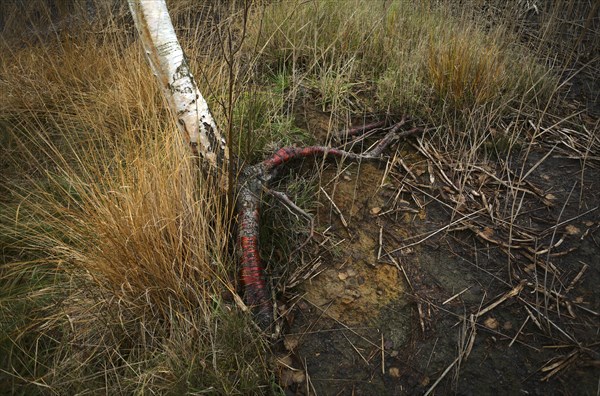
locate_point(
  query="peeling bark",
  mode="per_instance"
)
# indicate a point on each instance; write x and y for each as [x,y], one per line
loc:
[250,186]
[170,66]
[252,181]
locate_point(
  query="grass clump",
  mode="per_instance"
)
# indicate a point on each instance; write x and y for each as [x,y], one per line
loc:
[265,122]
[415,59]
[116,275]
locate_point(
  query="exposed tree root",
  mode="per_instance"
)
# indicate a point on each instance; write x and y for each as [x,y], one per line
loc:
[198,128]
[252,181]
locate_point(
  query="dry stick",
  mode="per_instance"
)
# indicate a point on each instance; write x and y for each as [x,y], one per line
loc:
[508,246]
[533,318]
[471,342]
[392,136]
[382,356]
[512,293]
[571,219]
[380,243]
[549,321]
[421,321]
[456,295]
[337,210]
[546,297]
[358,130]
[587,309]
[431,353]
[292,206]
[441,377]
[401,268]
[345,326]
[423,150]
[465,217]
[355,349]
[518,332]
[508,185]
[305,272]
[560,365]
[577,277]
[308,381]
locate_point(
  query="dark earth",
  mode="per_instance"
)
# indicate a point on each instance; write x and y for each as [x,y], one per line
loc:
[373,319]
[496,291]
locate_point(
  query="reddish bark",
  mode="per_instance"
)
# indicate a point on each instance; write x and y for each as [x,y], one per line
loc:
[252,272]
[252,181]
[345,134]
[287,154]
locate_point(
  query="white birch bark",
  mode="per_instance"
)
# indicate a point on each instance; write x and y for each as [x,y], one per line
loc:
[170,66]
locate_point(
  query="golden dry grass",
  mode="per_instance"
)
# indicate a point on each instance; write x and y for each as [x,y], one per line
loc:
[116,274]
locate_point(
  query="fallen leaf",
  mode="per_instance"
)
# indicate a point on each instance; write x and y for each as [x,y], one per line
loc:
[530,268]
[491,323]
[289,377]
[406,251]
[299,376]
[572,230]
[286,378]
[376,210]
[394,372]
[488,232]
[290,342]
[284,361]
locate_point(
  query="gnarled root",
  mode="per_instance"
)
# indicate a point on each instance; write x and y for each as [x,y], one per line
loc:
[250,185]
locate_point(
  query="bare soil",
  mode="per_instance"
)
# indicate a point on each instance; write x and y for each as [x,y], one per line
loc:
[470,305]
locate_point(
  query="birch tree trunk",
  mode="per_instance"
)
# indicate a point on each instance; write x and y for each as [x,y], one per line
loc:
[170,66]
[198,127]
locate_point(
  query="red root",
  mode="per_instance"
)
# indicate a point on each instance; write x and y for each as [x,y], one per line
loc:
[253,179]
[287,154]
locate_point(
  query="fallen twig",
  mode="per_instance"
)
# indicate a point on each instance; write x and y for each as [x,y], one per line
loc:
[347,133]
[512,293]
[456,295]
[292,206]
[434,232]
[441,377]
[337,210]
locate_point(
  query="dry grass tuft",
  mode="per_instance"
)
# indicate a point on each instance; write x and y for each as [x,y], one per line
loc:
[465,74]
[415,59]
[116,275]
